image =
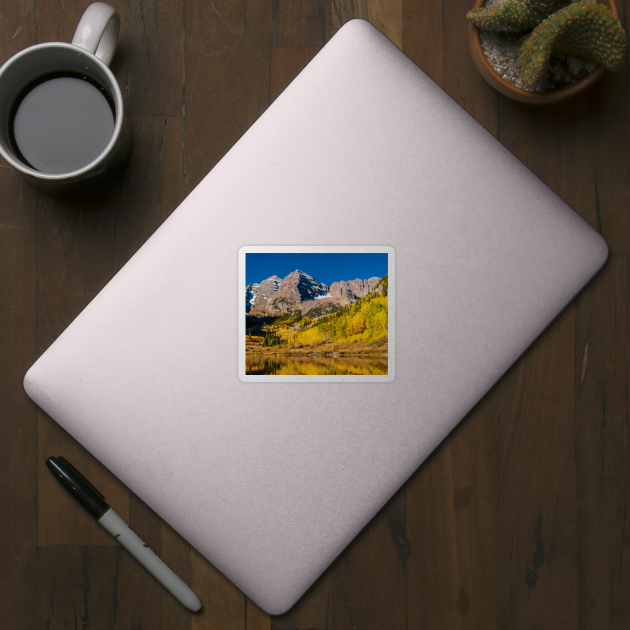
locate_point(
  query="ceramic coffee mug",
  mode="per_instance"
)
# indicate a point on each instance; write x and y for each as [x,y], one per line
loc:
[62,115]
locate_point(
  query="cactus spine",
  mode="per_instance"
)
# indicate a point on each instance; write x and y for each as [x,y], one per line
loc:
[513,16]
[583,29]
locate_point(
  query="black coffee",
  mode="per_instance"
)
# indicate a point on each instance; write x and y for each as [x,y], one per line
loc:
[61,123]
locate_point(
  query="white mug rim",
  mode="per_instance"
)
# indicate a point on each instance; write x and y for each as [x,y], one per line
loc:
[118,100]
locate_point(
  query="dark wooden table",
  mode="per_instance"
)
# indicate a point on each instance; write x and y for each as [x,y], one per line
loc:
[518,520]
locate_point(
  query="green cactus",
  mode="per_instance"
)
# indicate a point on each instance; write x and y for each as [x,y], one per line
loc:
[584,29]
[513,16]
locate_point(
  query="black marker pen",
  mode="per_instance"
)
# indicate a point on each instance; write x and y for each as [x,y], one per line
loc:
[94,502]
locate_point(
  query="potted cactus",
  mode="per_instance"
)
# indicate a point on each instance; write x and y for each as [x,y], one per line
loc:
[558,49]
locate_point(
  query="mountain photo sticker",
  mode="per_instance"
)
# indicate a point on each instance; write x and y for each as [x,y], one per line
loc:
[316,314]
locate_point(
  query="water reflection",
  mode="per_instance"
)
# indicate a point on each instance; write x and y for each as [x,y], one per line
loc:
[280,365]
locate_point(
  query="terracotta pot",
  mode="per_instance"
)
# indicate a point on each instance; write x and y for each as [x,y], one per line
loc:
[518,94]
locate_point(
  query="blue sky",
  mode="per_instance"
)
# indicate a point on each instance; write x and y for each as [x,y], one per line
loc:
[326,268]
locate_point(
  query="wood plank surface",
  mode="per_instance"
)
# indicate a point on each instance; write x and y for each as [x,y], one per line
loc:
[369,578]
[537,509]
[155,63]
[422,36]
[18,417]
[518,520]
[76,587]
[226,84]
[461,79]
[386,15]
[452,520]
[602,381]
[297,23]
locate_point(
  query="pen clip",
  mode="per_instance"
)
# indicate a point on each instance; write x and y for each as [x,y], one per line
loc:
[70,467]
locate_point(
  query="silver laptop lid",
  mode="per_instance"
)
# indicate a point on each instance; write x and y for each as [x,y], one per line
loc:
[270,480]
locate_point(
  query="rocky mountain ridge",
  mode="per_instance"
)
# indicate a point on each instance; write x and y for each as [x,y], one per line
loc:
[257,295]
[275,296]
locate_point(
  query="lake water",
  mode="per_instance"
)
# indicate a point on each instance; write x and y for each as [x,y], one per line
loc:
[312,365]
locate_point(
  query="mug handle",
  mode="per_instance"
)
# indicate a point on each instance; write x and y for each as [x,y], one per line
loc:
[98,30]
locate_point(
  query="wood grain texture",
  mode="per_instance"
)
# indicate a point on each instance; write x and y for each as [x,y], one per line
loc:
[154,57]
[422,36]
[18,416]
[537,510]
[300,22]
[609,134]
[226,78]
[17,28]
[461,79]
[369,577]
[519,519]
[76,587]
[386,15]
[602,381]
[452,515]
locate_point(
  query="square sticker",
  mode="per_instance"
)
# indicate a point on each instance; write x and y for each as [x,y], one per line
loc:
[320,314]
